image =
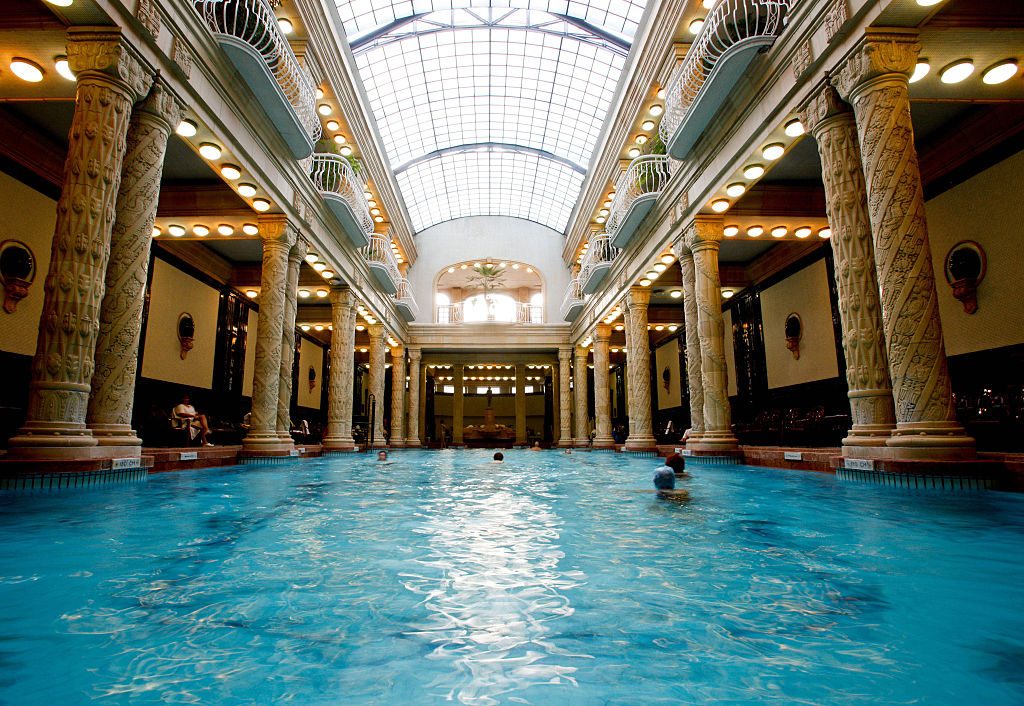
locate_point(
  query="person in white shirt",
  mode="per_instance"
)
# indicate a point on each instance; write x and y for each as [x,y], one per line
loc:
[187,415]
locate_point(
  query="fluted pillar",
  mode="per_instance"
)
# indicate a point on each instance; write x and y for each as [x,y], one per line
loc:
[556,405]
[694,382]
[520,402]
[703,238]
[109,414]
[458,401]
[630,422]
[874,80]
[412,435]
[376,382]
[641,432]
[291,308]
[832,124]
[580,386]
[602,391]
[565,396]
[398,396]
[278,237]
[338,436]
[110,80]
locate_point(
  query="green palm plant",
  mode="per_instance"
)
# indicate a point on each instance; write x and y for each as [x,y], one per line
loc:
[487,278]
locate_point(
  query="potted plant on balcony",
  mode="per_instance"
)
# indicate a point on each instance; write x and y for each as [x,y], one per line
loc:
[487,278]
[651,179]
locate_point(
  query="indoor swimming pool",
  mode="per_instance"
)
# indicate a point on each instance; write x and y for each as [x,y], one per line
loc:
[549,579]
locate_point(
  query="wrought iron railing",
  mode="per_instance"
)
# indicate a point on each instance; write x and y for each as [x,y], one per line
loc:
[525,313]
[254,22]
[404,296]
[729,23]
[379,253]
[647,174]
[449,313]
[600,253]
[332,173]
[573,296]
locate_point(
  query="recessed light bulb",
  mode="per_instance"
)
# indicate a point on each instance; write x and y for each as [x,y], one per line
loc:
[327,274]
[794,128]
[779,231]
[200,230]
[332,125]
[345,151]
[659,267]
[676,293]
[251,293]
[60,3]
[187,128]
[156,231]
[755,231]
[735,190]
[64,69]
[645,283]
[247,190]
[209,150]
[226,229]
[633,153]
[731,231]
[230,171]
[1000,73]
[324,109]
[668,259]
[285,24]
[727,293]
[802,232]
[720,206]
[656,110]
[753,171]
[322,293]
[957,71]
[773,151]
[176,230]
[825,233]
[339,139]
[921,70]
[251,229]
[26,70]
[319,266]
[261,204]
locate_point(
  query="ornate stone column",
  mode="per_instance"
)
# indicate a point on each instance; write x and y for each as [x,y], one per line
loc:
[291,308]
[278,237]
[338,436]
[602,392]
[703,238]
[110,80]
[694,382]
[579,378]
[521,438]
[565,397]
[556,405]
[874,81]
[117,344]
[641,435]
[458,401]
[376,382]
[630,422]
[832,124]
[412,436]
[398,396]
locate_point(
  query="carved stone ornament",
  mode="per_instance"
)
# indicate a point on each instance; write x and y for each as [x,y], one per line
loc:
[186,333]
[794,327]
[149,16]
[17,271]
[802,59]
[838,15]
[182,56]
[965,268]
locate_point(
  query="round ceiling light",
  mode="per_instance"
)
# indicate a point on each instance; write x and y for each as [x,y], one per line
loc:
[921,69]
[200,230]
[794,128]
[736,190]
[209,150]
[285,24]
[64,69]
[1000,73]
[697,25]
[780,232]
[727,293]
[251,293]
[324,109]
[676,293]
[247,190]
[226,229]
[26,70]
[957,71]
[773,151]
[825,233]
[261,204]
[720,206]
[656,110]
[187,128]
[230,171]
[253,229]
[648,125]
[332,125]
[731,231]
[755,231]
[802,232]
[176,230]
[753,171]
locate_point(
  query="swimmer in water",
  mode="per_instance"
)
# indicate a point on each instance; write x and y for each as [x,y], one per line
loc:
[678,465]
[536,446]
[665,484]
[499,457]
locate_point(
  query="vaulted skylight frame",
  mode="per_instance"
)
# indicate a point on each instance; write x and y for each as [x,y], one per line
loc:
[469,88]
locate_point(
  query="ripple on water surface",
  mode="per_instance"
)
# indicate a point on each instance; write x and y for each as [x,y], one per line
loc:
[549,579]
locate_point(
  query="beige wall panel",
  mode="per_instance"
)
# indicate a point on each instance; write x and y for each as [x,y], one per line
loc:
[666,357]
[310,356]
[730,355]
[805,293]
[174,292]
[989,210]
[30,217]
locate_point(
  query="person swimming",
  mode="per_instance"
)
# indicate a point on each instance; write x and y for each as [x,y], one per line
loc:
[536,446]
[665,484]
[499,457]
[678,465]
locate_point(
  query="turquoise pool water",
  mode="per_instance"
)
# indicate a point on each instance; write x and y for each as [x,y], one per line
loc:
[550,579]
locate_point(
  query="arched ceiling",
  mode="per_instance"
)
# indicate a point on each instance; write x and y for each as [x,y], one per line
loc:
[488,109]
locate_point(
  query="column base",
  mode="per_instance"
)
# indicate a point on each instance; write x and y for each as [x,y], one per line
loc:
[716,441]
[333,444]
[565,443]
[269,444]
[869,435]
[117,437]
[413,444]
[581,443]
[604,442]
[56,440]
[398,444]
[931,441]
[640,443]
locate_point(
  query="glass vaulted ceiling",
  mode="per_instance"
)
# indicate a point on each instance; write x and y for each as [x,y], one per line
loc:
[491,107]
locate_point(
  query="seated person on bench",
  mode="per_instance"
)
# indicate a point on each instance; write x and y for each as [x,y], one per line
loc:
[185,415]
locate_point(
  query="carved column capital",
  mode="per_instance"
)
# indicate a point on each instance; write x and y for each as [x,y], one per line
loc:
[602,333]
[825,106]
[881,54]
[277,231]
[298,252]
[343,297]
[703,232]
[398,351]
[415,354]
[639,297]
[100,53]
[565,354]
[161,105]
[375,332]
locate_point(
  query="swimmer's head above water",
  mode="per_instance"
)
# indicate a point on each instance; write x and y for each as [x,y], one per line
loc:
[664,478]
[499,457]
[382,455]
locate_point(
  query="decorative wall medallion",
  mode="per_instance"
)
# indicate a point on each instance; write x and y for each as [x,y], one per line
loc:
[18,271]
[186,333]
[838,15]
[966,265]
[312,378]
[794,332]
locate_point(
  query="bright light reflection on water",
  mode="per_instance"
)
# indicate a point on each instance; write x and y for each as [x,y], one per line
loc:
[550,579]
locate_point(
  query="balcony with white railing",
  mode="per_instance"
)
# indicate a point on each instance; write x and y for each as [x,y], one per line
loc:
[248,32]
[596,263]
[734,32]
[492,309]
[345,194]
[404,301]
[637,190]
[572,304]
[382,262]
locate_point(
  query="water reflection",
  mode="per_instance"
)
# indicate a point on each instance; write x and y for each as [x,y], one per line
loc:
[491,583]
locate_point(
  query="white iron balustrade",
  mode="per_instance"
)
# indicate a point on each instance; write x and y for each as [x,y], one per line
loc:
[637,190]
[405,302]
[733,33]
[573,301]
[382,262]
[345,194]
[515,313]
[248,32]
[449,313]
[597,262]
[527,313]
